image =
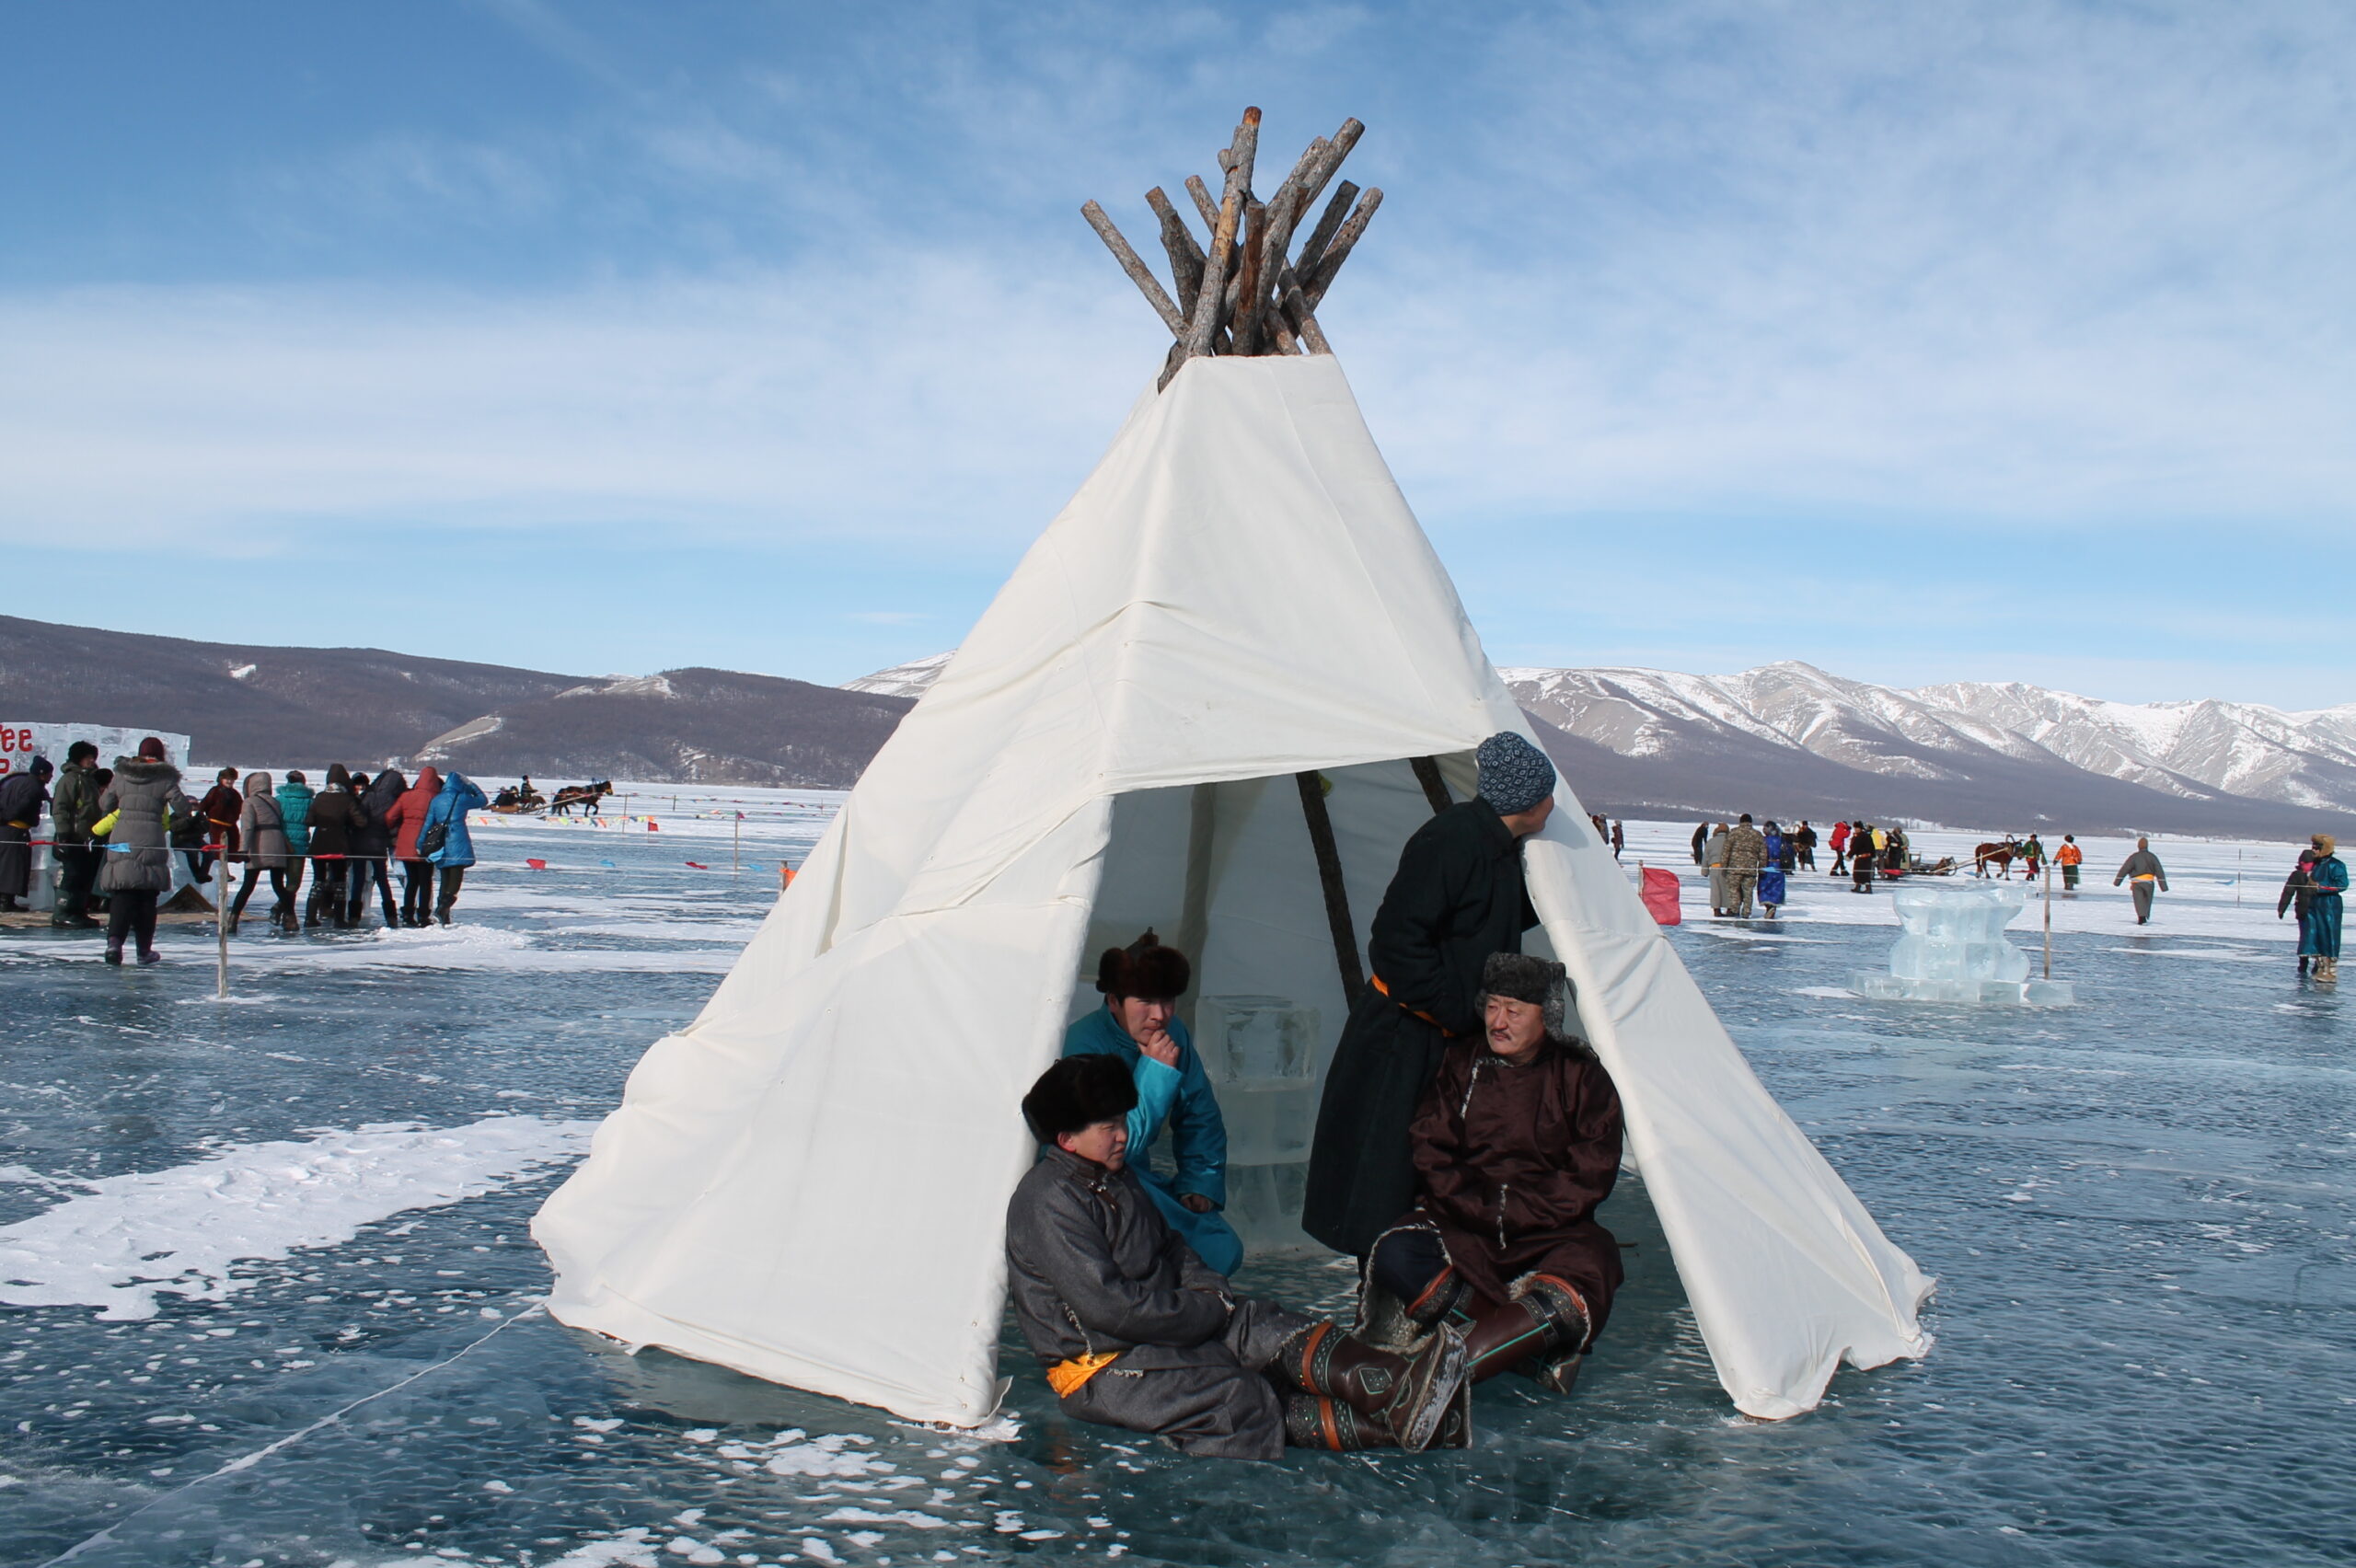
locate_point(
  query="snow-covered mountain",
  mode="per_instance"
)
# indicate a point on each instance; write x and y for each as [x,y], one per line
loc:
[2196,750]
[1788,738]
[911,679]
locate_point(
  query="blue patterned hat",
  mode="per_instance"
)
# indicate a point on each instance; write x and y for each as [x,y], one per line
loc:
[1515,775]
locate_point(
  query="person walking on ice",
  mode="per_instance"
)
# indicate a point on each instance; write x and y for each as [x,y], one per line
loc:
[2319,931]
[2144,869]
[2069,857]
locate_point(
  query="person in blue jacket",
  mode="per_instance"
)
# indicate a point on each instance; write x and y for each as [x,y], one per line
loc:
[2327,885]
[1139,1023]
[455,852]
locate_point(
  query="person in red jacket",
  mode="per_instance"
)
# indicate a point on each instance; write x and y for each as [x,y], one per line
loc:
[406,816]
[1516,1145]
[1840,841]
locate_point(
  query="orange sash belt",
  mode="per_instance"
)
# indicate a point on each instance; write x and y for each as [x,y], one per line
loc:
[1445,1032]
[1068,1377]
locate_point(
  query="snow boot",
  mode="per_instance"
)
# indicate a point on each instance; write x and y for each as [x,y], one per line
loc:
[1544,1319]
[8,904]
[1410,1396]
[2327,971]
[114,953]
[229,923]
[148,956]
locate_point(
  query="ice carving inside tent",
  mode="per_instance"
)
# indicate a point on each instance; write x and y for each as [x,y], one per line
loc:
[1261,1053]
[1954,948]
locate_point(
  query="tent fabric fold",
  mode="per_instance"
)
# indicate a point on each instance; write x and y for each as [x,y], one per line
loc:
[808,1183]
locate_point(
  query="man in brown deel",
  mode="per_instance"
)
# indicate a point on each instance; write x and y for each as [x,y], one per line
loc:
[1517,1144]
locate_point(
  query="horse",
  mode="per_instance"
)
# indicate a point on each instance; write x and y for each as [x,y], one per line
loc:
[2002,854]
[585,796]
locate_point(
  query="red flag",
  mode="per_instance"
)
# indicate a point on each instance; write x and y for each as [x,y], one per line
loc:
[537,865]
[698,865]
[1661,895]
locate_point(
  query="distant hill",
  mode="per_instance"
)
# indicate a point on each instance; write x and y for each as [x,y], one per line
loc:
[309,707]
[681,726]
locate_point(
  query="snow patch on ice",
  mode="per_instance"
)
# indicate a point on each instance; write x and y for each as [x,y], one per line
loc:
[634,1547]
[131,1238]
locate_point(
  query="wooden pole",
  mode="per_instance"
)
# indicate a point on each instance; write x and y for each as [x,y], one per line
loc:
[1339,252]
[1211,305]
[1294,308]
[2048,922]
[1323,235]
[1434,786]
[1203,202]
[1194,916]
[1329,878]
[1247,279]
[1185,256]
[736,848]
[1133,265]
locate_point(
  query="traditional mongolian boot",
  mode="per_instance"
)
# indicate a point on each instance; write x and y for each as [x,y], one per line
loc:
[1312,1421]
[1410,1395]
[1543,1319]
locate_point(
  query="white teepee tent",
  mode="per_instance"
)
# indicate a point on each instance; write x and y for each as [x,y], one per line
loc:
[1209,700]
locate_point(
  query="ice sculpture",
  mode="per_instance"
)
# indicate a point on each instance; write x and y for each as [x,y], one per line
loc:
[1261,1053]
[1954,948]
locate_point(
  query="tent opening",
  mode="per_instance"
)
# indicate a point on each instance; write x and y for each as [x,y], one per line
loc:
[1229,874]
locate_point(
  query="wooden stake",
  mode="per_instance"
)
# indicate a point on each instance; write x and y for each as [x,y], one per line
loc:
[1434,786]
[1185,256]
[1133,265]
[1329,877]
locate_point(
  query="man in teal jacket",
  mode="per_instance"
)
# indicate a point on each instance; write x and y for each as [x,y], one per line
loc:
[1139,1023]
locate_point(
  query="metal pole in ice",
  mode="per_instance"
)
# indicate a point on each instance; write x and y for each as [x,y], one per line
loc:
[736,848]
[221,921]
[2048,922]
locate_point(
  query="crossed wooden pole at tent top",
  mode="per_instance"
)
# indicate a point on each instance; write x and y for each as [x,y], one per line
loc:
[1242,295]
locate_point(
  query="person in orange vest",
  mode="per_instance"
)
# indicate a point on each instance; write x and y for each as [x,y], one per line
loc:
[2068,858]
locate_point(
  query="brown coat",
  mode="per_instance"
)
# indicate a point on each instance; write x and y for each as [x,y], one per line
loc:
[1511,1163]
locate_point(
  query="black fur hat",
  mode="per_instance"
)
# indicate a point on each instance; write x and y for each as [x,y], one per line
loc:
[1537,981]
[1144,968]
[1077,1093]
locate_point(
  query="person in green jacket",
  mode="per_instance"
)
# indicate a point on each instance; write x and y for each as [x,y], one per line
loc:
[72,810]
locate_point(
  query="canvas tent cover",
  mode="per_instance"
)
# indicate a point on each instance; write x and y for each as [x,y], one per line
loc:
[808,1183]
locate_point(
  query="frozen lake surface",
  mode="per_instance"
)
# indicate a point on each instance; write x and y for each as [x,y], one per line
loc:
[267,1294]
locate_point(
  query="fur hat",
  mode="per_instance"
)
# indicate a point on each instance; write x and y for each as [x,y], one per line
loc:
[1144,968]
[1539,982]
[2324,843]
[1077,1093]
[1515,775]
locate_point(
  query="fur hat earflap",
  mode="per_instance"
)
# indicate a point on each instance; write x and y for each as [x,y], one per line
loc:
[2325,845]
[1077,1093]
[1144,968]
[1538,981]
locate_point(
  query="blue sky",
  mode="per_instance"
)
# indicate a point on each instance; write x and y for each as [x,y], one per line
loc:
[1923,343]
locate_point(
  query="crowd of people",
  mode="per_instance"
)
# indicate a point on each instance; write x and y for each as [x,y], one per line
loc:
[1466,1137]
[114,831]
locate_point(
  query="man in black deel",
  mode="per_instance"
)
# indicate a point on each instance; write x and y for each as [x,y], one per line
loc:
[1457,897]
